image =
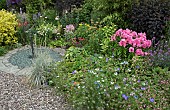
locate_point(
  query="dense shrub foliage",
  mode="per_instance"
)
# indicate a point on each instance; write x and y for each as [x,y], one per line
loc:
[97,82]
[150,16]
[3,4]
[7,28]
[109,63]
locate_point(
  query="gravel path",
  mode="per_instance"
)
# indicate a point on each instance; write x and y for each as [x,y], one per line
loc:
[15,94]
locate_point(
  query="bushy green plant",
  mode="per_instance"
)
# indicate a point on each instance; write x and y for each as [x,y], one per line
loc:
[23,26]
[3,50]
[44,33]
[159,55]
[105,83]
[99,40]
[3,4]
[8,24]
[109,10]
[58,43]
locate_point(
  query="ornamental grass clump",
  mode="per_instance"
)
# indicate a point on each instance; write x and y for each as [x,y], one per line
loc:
[40,66]
[129,43]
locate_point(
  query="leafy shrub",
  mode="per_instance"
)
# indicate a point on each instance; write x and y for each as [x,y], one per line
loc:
[64,6]
[109,10]
[105,83]
[3,50]
[3,4]
[23,26]
[150,16]
[7,28]
[42,33]
[50,15]
[99,40]
[159,55]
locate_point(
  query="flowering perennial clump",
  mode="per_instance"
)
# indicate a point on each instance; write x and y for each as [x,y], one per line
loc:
[134,41]
[69,28]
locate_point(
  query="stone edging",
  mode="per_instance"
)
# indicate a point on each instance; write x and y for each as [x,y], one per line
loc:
[7,67]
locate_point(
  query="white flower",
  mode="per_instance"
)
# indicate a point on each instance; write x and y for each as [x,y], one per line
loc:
[111,82]
[57,18]
[129,70]
[46,17]
[100,57]
[115,73]
[97,69]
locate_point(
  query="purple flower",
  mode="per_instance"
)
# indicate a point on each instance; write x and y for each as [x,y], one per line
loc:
[124,96]
[138,81]
[107,59]
[70,28]
[143,88]
[137,66]
[74,72]
[152,100]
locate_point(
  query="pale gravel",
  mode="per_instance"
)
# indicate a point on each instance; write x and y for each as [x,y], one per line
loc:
[15,94]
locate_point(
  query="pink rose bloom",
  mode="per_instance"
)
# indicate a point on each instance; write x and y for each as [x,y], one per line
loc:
[122,42]
[139,52]
[131,49]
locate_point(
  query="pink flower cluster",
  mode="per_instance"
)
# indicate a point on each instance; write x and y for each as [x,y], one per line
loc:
[136,41]
[69,28]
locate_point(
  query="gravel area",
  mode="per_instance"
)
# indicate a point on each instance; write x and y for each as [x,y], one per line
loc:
[15,94]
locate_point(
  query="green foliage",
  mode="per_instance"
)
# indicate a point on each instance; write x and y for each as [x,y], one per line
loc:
[3,51]
[33,6]
[99,41]
[98,82]
[58,43]
[51,15]
[23,26]
[44,32]
[109,10]
[84,30]
[160,54]
[3,4]
[7,28]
